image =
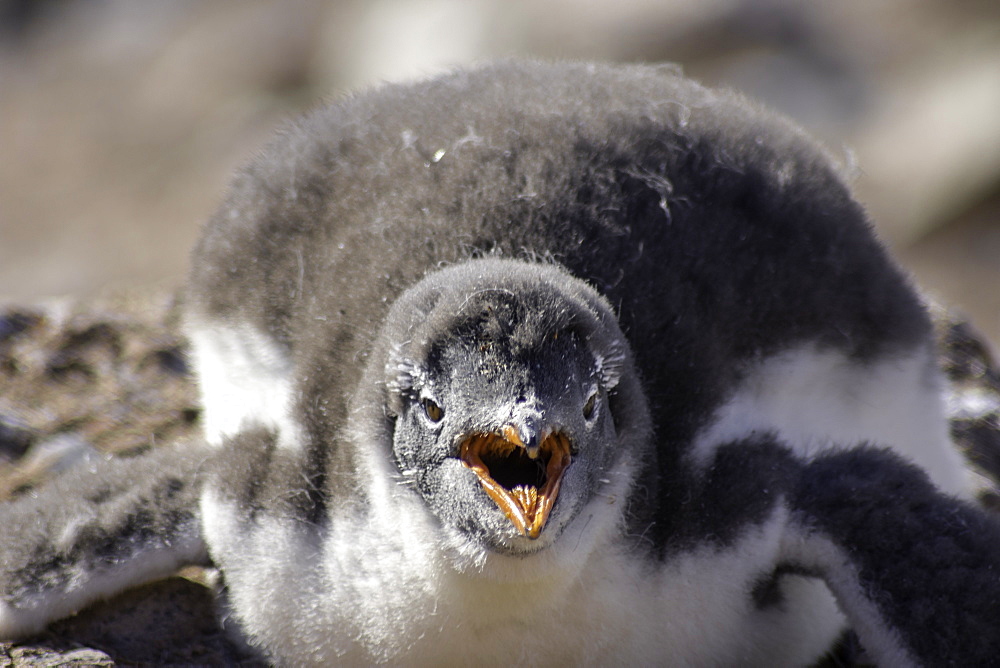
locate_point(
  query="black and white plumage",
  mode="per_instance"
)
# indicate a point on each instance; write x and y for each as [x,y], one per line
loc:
[556,363]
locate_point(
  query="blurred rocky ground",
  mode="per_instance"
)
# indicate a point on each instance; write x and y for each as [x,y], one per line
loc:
[121,121]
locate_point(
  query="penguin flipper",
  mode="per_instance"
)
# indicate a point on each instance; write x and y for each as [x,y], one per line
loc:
[916,572]
[92,533]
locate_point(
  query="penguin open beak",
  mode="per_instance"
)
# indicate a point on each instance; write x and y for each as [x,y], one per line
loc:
[521,477]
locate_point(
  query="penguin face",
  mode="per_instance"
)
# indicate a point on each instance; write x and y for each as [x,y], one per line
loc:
[503,419]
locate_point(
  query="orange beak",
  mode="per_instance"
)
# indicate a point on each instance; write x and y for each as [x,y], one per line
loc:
[523,482]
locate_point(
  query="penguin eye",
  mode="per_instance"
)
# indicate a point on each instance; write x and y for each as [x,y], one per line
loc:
[588,408]
[433,412]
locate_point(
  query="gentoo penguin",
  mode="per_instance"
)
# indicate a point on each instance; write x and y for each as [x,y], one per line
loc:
[545,363]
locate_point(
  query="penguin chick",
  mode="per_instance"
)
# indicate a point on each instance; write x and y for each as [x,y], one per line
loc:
[551,363]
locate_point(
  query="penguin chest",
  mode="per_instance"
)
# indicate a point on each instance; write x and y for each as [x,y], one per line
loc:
[693,609]
[382,599]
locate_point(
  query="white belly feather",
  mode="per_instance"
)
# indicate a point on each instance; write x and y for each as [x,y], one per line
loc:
[814,399]
[377,594]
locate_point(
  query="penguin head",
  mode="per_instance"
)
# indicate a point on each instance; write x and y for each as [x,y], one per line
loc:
[504,392]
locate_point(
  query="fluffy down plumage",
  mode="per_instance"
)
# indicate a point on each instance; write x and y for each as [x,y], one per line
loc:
[560,363]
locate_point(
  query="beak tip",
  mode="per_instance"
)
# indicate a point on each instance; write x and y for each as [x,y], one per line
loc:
[513,435]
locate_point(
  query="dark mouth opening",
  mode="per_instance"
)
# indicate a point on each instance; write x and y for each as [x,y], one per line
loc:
[523,488]
[515,468]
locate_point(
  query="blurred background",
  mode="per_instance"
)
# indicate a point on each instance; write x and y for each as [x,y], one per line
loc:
[121,120]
